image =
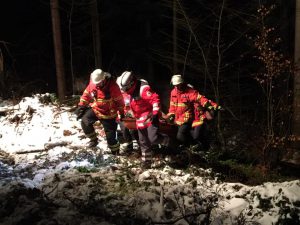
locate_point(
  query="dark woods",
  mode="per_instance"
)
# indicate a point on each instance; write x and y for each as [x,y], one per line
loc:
[238,53]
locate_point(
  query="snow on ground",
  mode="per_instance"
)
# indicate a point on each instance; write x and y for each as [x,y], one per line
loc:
[47,176]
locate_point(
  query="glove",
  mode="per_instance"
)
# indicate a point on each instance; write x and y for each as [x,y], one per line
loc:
[219,108]
[121,116]
[79,112]
[209,114]
[170,118]
[129,114]
[155,120]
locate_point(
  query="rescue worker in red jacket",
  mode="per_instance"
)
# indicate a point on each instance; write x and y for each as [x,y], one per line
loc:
[187,110]
[101,100]
[145,105]
[130,136]
[200,130]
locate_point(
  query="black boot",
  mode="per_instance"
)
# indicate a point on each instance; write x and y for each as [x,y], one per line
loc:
[127,148]
[115,148]
[146,165]
[115,152]
[93,143]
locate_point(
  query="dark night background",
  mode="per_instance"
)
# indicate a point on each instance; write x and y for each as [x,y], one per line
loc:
[137,35]
[217,53]
[28,50]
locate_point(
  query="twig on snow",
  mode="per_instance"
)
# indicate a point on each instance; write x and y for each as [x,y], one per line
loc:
[47,147]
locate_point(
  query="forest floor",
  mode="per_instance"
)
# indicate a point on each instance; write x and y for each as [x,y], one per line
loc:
[48,176]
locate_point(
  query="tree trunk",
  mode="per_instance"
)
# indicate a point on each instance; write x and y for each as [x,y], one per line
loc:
[292,154]
[59,60]
[151,76]
[96,33]
[296,105]
[2,86]
[175,37]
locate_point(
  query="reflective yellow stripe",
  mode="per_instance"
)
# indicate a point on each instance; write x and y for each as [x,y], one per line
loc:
[114,147]
[83,100]
[103,100]
[100,115]
[178,104]
[105,116]
[198,123]
[108,117]
[186,117]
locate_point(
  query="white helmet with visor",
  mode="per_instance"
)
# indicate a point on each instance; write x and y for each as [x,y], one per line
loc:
[126,80]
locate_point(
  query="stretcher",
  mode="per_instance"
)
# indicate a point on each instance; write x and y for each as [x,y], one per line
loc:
[164,127]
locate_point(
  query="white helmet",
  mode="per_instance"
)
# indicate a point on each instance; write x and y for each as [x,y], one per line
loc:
[126,80]
[97,76]
[176,79]
[118,81]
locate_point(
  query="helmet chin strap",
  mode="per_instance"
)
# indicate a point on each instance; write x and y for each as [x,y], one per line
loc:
[101,84]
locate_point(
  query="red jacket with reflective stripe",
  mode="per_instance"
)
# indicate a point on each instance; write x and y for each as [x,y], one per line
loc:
[187,105]
[106,101]
[199,112]
[144,103]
